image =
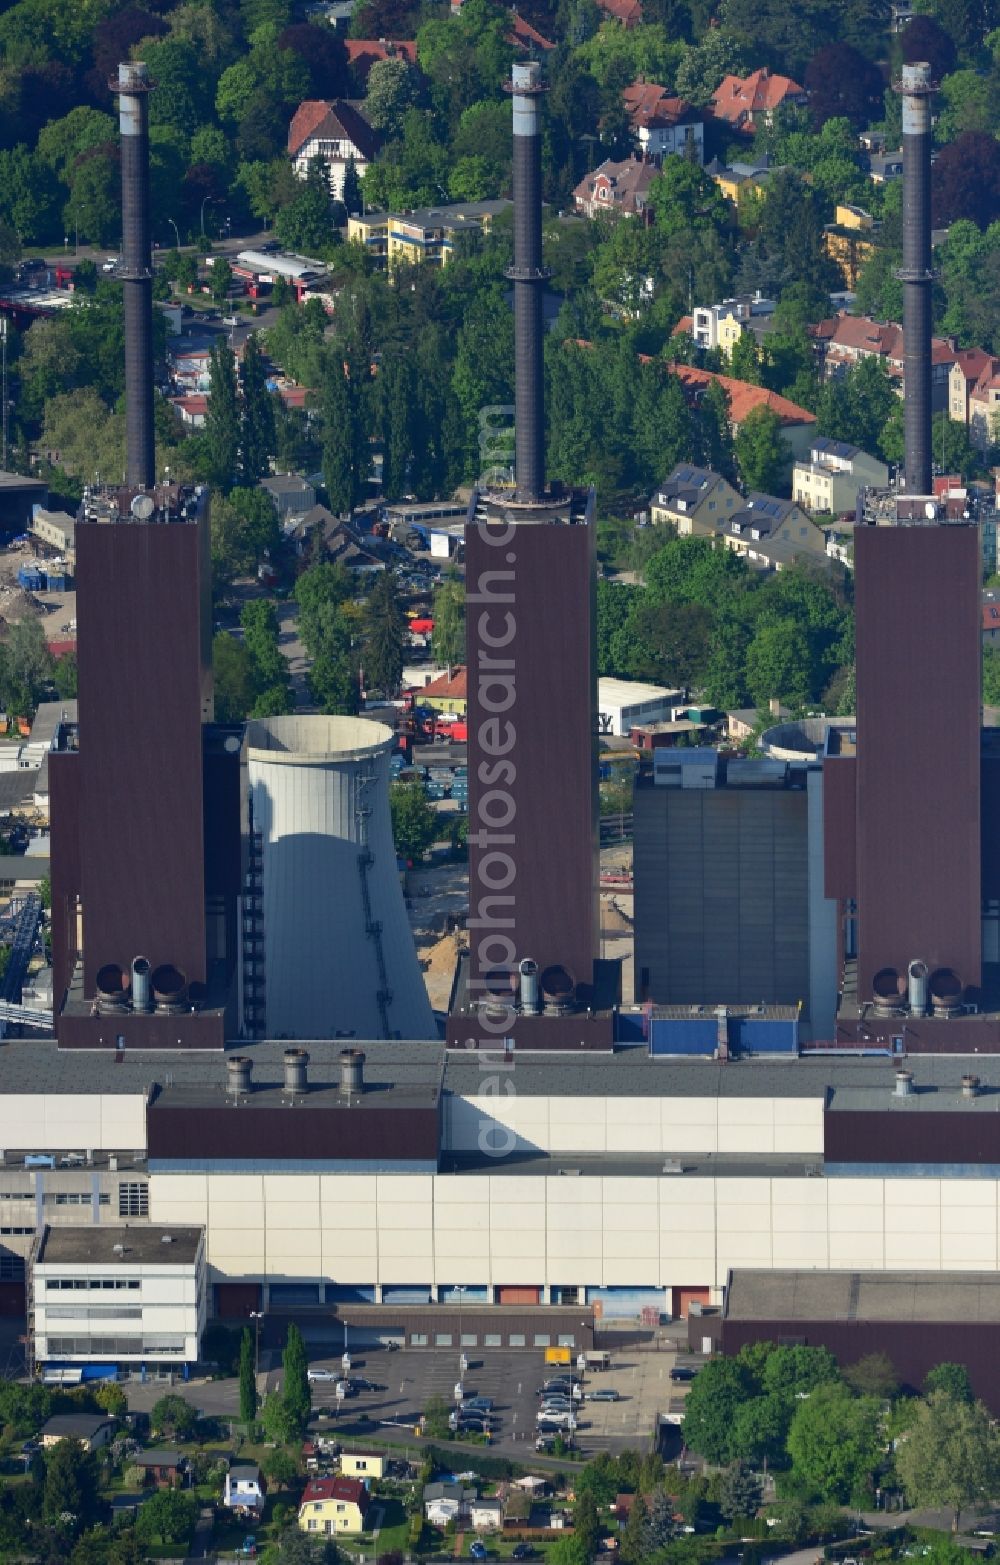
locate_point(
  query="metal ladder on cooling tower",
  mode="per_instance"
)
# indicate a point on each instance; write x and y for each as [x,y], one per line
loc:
[373,926]
[254,976]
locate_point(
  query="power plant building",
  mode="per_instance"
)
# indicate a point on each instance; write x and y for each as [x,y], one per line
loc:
[331,952]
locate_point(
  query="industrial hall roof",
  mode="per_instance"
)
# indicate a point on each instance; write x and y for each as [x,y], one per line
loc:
[864,1296]
[143,1245]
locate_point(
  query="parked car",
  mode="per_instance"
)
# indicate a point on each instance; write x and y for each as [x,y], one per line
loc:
[522,1551]
[322,1374]
[603,1394]
[110,264]
[478,1551]
[484,1403]
[683,1372]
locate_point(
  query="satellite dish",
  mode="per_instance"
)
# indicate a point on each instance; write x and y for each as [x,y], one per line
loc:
[231,743]
[930,511]
[143,507]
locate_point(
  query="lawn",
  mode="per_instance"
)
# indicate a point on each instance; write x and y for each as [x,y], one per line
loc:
[393,1533]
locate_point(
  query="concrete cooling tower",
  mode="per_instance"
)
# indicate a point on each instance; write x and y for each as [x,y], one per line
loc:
[325,915]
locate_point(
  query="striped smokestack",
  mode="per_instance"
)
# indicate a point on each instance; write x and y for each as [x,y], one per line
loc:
[915,88]
[136,272]
[528,276]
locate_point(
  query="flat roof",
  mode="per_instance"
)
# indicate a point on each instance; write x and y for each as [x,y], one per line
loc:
[860,1296]
[628,691]
[36,1065]
[94,1244]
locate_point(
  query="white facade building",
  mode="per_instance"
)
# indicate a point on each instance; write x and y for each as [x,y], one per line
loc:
[123,1295]
[621,703]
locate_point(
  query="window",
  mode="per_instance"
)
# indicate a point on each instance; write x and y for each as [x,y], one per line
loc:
[418,1339]
[11,1268]
[16,1230]
[566,1342]
[311,1524]
[492,1339]
[442,1339]
[467,1341]
[74,1198]
[133,1200]
[541,1340]
[516,1339]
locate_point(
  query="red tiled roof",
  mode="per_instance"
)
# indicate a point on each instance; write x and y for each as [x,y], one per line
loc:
[628,12]
[627,184]
[973,361]
[197,402]
[351,1490]
[363,52]
[523,34]
[991,617]
[331,121]
[857,334]
[743,397]
[739,97]
[647,103]
[454,686]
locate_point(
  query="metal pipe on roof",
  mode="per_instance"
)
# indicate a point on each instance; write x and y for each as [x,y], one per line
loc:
[528,276]
[916,275]
[136,272]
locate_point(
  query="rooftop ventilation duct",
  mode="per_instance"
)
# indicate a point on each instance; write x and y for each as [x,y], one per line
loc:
[295,1061]
[112,989]
[558,991]
[239,1068]
[904,1084]
[142,994]
[352,1072]
[530,1001]
[916,987]
[169,989]
[970,1086]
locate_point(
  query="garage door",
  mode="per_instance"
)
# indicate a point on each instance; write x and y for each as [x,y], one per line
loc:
[685,1297]
[235,1300]
[520,1296]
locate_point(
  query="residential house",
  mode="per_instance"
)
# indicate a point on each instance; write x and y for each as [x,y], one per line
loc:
[984,407]
[192,408]
[363,1464]
[772,533]
[664,125]
[732,178]
[333,1505]
[338,541]
[362,53]
[93,1430]
[695,500]
[850,240]
[336,132]
[447,693]
[619,188]
[747,102]
[487,1515]
[797,423]
[829,480]
[722,325]
[243,1491]
[991,617]
[159,1466]
[628,12]
[843,340]
[427,234]
[447,1501]
[743,723]
[292,496]
[522,35]
[884,166]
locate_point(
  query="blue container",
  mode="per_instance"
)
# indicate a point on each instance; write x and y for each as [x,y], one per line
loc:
[683,1035]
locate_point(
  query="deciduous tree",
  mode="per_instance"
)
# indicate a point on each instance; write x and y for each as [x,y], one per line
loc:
[951,1455]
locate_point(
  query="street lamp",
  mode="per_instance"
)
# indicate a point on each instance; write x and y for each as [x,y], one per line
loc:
[460,1290]
[203,206]
[256,1316]
[176,231]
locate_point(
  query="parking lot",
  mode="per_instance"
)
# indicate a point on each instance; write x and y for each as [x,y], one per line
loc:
[409,1378]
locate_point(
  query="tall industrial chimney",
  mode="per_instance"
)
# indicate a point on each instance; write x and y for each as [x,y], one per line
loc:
[916,88]
[528,276]
[136,272]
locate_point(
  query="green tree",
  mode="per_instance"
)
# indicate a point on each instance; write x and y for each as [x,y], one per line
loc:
[306,224]
[874,1375]
[295,1365]
[168,1516]
[351,195]
[385,637]
[221,439]
[269,667]
[570,1550]
[745,360]
[951,1455]
[778,664]
[29,665]
[70,1487]
[392,89]
[220,279]
[834,1443]
[760,1430]
[739,1491]
[415,823]
[94,207]
[248,1379]
[346,429]
[23,1409]
[762,452]
[701,70]
[953,1379]
[632,1546]
[448,612]
[174,1417]
[790,1372]
[716,1394]
[257,427]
